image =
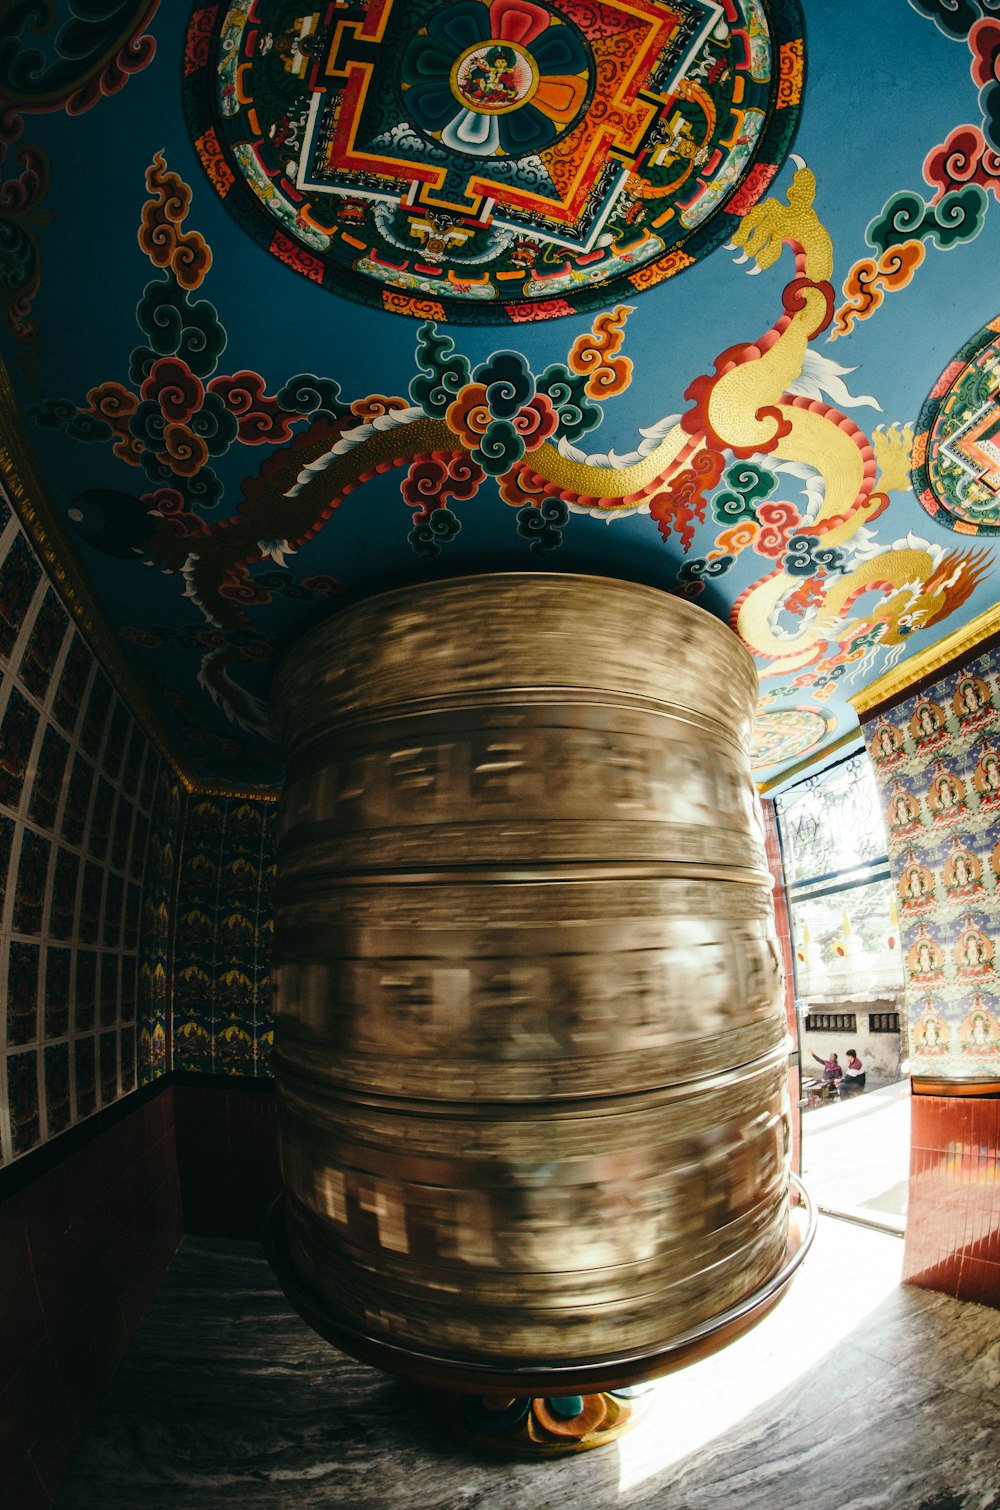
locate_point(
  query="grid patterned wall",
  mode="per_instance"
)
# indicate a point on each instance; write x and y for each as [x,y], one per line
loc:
[937,762]
[81,792]
[225,929]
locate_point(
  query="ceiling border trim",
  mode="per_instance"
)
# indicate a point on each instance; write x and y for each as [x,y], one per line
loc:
[235,794]
[815,758]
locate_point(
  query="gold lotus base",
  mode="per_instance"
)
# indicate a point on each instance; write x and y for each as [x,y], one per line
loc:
[545,1425]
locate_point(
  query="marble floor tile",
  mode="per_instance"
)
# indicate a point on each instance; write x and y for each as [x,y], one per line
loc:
[854,1392]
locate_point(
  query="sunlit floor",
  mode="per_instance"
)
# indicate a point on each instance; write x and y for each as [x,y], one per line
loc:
[855,1391]
[856,1154]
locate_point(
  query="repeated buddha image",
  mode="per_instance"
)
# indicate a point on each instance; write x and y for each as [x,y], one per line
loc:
[903,812]
[986,777]
[887,744]
[979,1030]
[973,952]
[972,703]
[925,960]
[931,1034]
[962,873]
[946,797]
[927,725]
[916,885]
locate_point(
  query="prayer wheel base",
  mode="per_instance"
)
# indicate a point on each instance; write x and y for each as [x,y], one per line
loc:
[544,1426]
[538,1412]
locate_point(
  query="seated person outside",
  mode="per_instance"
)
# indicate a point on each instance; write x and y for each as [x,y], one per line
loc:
[853,1080]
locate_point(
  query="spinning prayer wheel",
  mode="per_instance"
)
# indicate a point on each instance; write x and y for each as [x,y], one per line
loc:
[530,1046]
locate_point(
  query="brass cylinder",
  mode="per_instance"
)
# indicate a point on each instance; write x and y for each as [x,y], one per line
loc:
[529,1037]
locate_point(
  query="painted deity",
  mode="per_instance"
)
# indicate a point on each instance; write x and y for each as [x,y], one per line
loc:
[925,960]
[887,744]
[903,816]
[986,778]
[931,1034]
[916,885]
[927,724]
[946,796]
[973,952]
[962,872]
[979,1030]
[972,704]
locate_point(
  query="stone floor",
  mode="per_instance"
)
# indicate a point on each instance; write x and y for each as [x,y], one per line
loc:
[854,1392]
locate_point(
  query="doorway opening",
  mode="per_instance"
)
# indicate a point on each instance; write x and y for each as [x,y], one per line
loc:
[849,994]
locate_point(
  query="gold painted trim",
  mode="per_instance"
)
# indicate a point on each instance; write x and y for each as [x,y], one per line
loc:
[238,794]
[808,761]
[952,647]
[37,512]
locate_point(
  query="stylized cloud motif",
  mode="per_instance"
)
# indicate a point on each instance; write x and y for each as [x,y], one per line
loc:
[984,42]
[508,382]
[443,374]
[176,327]
[568,394]
[956,217]
[964,157]
[428,534]
[318,397]
[703,568]
[869,281]
[543,525]
[953,17]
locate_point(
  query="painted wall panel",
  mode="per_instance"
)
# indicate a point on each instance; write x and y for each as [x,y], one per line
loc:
[937,763]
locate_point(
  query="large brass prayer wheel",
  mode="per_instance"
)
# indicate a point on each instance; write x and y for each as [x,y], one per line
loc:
[529,1038]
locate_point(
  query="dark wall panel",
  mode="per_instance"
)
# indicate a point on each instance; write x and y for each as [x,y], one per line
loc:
[83,1247]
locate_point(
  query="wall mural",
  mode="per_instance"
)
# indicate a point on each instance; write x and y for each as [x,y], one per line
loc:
[962,171]
[937,763]
[225,932]
[491,159]
[780,474]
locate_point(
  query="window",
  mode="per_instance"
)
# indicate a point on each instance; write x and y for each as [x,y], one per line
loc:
[883,1022]
[832,1022]
[840,896]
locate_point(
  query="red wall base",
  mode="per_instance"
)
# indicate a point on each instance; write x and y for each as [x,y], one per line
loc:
[227,1153]
[953,1224]
[83,1249]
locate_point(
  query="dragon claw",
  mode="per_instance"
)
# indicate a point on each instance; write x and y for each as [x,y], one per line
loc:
[766,227]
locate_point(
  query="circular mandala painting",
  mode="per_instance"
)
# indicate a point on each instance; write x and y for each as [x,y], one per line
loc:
[492,160]
[956,453]
[786,732]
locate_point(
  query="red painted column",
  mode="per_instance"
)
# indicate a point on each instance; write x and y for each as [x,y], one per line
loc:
[953,1224]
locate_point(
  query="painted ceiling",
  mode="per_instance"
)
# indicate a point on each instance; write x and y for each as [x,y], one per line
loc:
[305,302]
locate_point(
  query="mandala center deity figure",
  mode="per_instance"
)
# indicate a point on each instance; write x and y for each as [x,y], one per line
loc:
[494,79]
[507,80]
